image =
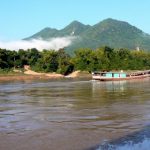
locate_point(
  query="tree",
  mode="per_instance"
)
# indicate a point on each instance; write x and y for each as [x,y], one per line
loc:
[3,59]
[83,59]
[65,65]
[33,55]
[48,61]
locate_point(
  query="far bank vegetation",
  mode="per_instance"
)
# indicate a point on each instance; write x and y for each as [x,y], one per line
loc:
[84,59]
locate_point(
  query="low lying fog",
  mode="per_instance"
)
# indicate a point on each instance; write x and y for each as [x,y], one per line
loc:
[53,43]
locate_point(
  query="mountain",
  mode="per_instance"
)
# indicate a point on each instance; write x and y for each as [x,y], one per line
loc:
[44,34]
[110,32]
[75,28]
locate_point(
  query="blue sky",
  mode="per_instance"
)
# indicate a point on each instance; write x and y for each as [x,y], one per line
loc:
[22,18]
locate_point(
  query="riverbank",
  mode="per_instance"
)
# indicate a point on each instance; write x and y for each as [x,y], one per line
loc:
[32,75]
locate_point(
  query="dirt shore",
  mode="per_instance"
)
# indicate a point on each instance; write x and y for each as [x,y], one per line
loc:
[20,77]
[31,75]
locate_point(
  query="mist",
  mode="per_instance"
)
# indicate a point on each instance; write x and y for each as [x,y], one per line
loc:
[40,44]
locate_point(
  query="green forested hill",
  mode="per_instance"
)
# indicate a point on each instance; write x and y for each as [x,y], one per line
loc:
[73,29]
[110,32]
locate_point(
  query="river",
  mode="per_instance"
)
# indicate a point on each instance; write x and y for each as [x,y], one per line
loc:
[74,115]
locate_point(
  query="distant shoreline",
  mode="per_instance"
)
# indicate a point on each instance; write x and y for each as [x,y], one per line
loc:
[41,76]
[23,77]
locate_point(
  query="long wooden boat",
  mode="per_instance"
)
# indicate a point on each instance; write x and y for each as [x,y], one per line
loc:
[117,76]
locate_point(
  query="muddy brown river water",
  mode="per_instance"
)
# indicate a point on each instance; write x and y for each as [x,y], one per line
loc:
[70,114]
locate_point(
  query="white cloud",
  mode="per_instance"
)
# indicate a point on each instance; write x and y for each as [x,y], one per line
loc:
[53,43]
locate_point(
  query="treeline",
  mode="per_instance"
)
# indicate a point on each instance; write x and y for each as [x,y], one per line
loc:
[103,58]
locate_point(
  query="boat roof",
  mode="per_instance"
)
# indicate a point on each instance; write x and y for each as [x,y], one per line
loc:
[120,72]
[108,72]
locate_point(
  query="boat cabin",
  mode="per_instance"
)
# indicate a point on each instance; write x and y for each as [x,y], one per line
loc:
[111,74]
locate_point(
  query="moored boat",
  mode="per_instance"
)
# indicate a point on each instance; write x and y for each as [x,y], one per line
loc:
[117,76]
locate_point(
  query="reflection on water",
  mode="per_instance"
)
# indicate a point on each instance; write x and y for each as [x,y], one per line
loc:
[142,145]
[117,86]
[89,111]
[136,141]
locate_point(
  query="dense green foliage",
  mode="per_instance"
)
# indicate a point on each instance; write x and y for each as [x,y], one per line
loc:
[106,58]
[85,59]
[45,61]
[110,32]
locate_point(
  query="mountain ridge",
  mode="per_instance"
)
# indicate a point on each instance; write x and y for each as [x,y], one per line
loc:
[110,32]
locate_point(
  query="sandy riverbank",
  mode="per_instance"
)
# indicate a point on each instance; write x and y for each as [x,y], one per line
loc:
[32,75]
